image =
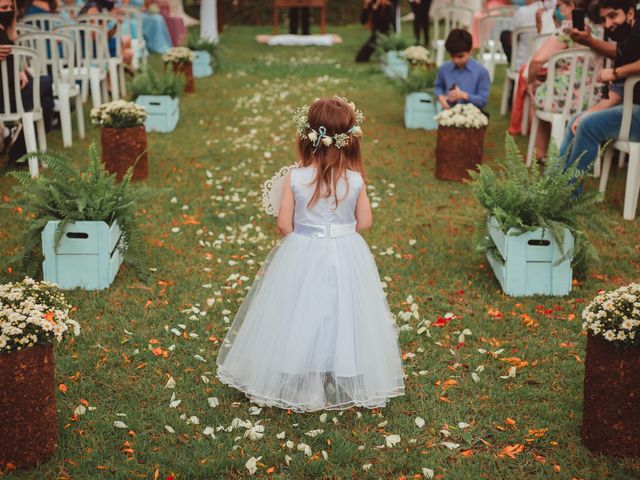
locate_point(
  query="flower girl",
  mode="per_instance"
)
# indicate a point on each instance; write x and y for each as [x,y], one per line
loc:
[315,331]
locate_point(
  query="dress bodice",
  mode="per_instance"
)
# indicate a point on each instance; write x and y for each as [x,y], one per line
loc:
[324,210]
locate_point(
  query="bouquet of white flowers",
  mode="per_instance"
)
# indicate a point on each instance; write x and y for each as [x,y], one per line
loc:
[178,55]
[118,114]
[462,115]
[32,313]
[615,315]
[418,55]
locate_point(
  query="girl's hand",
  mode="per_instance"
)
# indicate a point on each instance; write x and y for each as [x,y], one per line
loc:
[24,80]
[606,75]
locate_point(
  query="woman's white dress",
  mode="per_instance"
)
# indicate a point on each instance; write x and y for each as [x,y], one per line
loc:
[315,331]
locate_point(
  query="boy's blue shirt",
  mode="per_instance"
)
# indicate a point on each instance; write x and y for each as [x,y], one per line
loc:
[473,78]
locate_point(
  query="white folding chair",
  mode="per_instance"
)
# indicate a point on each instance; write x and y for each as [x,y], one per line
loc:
[115,64]
[490,26]
[23,28]
[13,108]
[632,149]
[575,97]
[44,21]
[57,52]
[89,42]
[520,38]
[446,19]
[132,26]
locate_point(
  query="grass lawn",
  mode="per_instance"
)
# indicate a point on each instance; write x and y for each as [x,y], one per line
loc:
[207,234]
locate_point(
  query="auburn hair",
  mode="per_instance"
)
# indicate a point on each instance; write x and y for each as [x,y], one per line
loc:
[331,162]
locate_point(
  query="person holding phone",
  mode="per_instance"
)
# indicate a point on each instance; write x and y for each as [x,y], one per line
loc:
[588,130]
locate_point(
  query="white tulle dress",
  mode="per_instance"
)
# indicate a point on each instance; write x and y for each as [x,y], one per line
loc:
[315,331]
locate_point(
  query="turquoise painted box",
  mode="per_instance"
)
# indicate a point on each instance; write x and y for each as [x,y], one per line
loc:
[163,112]
[394,65]
[420,109]
[202,64]
[529,262]
[88,256]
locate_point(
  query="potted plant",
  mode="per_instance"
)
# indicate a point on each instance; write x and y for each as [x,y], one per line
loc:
[159,95]
[420,105]
[205,55]
[611,408]
[181,61]
[123,137]
[460,141]
[389,49]
[81,225]
[534,238]
[33,315]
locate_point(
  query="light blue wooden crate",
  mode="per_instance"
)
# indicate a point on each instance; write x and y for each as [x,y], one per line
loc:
[88,255]
[528,262]
[420,109]
[163,112]
[394,65]
[202,64]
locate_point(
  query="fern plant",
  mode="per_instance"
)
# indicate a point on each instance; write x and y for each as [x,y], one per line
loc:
[389,43]
[418,80]
[67,195]
[526,198]
[195,42]
[149,82]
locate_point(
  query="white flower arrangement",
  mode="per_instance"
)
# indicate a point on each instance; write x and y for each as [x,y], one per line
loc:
[615,315]
[118,114]
[178,55]
[462,115]
[340,140]
[418,55]
[33,313]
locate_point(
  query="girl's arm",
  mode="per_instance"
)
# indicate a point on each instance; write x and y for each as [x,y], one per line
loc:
[364,217]
[285,215]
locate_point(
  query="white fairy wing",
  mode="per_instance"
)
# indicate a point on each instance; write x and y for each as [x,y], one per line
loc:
[272,190]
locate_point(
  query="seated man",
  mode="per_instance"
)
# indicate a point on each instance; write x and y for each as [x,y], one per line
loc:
[461,80]
[586,131]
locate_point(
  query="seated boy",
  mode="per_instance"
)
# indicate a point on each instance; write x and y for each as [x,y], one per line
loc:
[461,80]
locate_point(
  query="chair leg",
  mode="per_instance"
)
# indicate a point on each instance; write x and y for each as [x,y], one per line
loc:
[80,116]
[29,131]
[621,159]
[65,114]
[524,125]
[42,135]
[114,80]
[557,129]
[439,52]
[94,79]
[504,102]
[123,82]
[532,140]
[632,188]
[606,168]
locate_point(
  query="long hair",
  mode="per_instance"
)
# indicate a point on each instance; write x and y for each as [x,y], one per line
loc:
[331,162]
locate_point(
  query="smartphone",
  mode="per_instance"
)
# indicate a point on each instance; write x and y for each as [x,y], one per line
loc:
[577,18]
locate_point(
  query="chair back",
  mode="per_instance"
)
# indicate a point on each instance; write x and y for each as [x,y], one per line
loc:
[447,18]
[23,28]
[57,53]
[12,105]
[132,21]
[89,45]
[521,46]
[44,21]
[490,27]
[506,10]
[107,23]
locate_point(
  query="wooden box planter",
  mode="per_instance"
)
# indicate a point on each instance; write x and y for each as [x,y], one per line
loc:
[202,64]
[124,147]
[163,112]
[394,65]
[611,409]
[28,426]
[420,109]
[458,150]
[527,264]
[88,255]
[186,69]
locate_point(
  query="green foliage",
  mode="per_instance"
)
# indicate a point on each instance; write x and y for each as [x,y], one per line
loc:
[419,80]
[525,199]
[196,43]
[149,82]
[389,43]
[65,194]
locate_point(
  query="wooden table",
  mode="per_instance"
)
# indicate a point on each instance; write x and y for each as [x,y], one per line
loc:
[321,4]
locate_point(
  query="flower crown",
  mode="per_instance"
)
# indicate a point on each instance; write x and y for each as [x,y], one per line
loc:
[301,119]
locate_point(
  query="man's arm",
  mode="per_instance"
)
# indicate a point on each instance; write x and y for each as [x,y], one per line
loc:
[480,97]
[608,49]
